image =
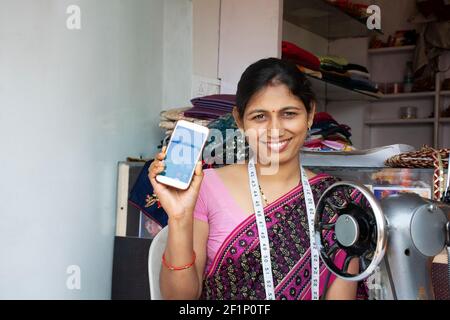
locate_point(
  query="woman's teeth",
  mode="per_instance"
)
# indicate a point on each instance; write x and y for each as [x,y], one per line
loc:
[278,146]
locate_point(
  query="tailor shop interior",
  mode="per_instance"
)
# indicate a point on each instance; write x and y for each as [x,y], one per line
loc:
[378,148]
[382,121]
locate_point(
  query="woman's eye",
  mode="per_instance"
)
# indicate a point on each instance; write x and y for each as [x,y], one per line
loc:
[290,114]
[259,117]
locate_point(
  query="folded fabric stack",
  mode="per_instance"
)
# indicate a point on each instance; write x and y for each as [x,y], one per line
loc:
[203,112]
[333,63]
[333,69]
[328,135]
[348,75]
[169,118]
[300,56]
[211,107]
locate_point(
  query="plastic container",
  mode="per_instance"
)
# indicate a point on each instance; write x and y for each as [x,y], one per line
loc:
[408,112]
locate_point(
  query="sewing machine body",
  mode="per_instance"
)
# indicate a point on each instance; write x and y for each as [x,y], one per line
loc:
[410,231]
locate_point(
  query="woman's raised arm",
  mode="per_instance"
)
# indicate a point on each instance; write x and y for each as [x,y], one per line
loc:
[184,250]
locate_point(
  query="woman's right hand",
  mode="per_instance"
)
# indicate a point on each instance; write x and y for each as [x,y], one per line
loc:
[178,204]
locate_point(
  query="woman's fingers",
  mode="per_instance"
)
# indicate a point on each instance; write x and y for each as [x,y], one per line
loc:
[198,176]
[162,155]
[158,168]
[198,169]
[155,168]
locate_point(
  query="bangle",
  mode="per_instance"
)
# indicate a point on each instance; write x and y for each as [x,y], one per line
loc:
[173,268]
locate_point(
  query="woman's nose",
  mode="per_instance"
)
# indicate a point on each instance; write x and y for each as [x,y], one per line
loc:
[276,126]
[274,133]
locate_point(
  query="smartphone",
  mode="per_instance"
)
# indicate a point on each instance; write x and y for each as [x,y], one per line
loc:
[183,152]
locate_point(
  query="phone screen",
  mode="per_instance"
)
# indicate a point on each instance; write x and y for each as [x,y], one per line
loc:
[182,154]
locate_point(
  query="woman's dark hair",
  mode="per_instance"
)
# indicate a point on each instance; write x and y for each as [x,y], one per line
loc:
[272,72]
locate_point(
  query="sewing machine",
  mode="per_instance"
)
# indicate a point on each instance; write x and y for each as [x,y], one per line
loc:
[395,239]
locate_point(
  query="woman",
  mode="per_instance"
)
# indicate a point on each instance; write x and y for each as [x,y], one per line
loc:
[213,248]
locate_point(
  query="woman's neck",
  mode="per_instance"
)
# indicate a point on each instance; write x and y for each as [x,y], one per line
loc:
[287,172]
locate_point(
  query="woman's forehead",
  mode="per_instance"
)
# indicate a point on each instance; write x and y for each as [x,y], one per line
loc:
[278,95]
[274,98]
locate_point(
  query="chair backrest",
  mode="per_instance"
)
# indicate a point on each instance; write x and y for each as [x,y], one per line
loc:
[155,254]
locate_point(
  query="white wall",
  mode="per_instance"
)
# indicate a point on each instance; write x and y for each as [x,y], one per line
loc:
[178,54]
[206,24]
[304,39]
[351,113]
[249,30]
[73,104]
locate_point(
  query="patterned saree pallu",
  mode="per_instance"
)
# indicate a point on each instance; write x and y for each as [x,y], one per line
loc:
[236,272]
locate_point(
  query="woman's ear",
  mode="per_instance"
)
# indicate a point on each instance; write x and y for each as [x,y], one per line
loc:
[237,118]
[311,115]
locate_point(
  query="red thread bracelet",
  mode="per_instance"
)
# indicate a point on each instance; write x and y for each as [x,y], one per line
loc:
[187,266]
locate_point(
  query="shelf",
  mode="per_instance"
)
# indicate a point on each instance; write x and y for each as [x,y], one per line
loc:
[324,19]
[380,122]
[413,95]
[444,120]
[445,93]
[392,50]
[332,91]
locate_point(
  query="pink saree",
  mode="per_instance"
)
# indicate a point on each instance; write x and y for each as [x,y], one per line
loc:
[236,271]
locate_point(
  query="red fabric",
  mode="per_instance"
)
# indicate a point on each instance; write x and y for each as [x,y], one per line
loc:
[300,56]
[323,116]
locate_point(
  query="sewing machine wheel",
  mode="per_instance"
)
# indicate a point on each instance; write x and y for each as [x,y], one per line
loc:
[349,224]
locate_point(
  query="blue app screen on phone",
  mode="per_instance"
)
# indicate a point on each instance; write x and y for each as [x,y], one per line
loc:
[181,156]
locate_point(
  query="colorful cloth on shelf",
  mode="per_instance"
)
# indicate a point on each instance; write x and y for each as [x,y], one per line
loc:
[323,116]
[327,146]
[333,69]
[169,119]
[333,60]
[236,270]
[327,134]
[357,72]
[333,63]
[356,67]
[174,114]
[359,76]
[310,72]
[211,107]
[168,125]
[299,56]
[341,67]
[348,82]
[230,147]
[224,100]
[328,67]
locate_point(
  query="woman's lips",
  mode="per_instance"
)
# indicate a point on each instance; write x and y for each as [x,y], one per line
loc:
[278,146]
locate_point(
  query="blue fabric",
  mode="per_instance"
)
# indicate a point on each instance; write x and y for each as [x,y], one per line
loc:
[141,192]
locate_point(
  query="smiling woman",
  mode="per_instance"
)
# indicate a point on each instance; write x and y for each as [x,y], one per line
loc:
[274,107]
[243,250]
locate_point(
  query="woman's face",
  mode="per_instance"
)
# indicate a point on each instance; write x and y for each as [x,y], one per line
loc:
[276,124]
